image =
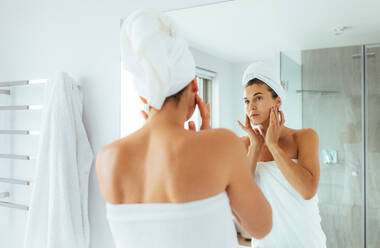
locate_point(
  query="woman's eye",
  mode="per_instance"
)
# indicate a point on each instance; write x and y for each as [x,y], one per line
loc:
[246,102]
[259,98]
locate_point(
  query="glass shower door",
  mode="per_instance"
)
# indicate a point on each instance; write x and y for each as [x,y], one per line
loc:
[331,105]
[330,91]
[373,146]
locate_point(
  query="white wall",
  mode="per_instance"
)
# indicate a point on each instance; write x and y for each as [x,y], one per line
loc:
[291,72]
[81,37]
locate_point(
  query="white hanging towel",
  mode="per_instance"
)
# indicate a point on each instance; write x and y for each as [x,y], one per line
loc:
[58,214]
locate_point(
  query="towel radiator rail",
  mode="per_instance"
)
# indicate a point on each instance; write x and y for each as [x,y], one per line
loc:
[17,132]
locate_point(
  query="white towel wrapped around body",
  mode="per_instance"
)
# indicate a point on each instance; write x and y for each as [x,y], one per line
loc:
[205,223]
[296,221]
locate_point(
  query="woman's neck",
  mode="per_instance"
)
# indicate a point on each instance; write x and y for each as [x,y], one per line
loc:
[170,114]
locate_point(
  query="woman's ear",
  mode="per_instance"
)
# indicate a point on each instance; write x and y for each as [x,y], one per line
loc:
[278,102]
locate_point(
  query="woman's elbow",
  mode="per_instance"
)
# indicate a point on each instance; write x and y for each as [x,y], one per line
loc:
[266,227]
[308,197]
[309,194]
[266,230]
[269,221]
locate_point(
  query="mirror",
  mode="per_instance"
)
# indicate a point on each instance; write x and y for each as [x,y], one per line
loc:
[318,58]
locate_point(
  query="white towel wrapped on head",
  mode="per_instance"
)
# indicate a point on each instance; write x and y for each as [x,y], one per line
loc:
[264,73]
[156,54]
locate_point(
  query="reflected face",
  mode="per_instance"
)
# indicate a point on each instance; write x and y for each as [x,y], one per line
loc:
[258,101]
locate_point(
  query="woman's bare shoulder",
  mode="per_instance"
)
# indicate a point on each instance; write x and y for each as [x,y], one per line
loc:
[220,141]
[218,135]
[112,163]
[304,132]
[110,155]
[106,158]
[305,136]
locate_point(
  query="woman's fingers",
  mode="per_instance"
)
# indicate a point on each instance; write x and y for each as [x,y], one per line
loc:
[206,106]
[276,115]
[143,100]
[144,114]
[282,118]
[278,119]
[199,101]
[203,108]
[248,130]
[262,133]
[257,132]
[247,121]
[191,125]
[242,126]
[271,117]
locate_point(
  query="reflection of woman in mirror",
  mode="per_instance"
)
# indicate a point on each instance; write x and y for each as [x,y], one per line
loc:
[166,186]
[284,162]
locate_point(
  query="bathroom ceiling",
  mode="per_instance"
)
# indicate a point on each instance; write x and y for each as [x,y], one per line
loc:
[240,30]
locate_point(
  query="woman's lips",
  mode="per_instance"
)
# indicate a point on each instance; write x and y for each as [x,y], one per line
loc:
[254,115]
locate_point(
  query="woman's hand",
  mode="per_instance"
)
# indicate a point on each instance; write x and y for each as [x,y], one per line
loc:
[144,114]
[255,137]
[274,130]
[192,126]
[204,110]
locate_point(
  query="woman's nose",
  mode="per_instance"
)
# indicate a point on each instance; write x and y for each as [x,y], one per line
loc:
[252,107]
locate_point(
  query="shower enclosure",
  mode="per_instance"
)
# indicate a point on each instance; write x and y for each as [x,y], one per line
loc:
[340,93]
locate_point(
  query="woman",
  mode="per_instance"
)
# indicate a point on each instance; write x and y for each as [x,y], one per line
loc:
[284,163]
[166,186]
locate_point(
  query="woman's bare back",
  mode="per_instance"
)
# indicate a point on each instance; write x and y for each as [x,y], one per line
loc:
[175,166]
[154,166]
